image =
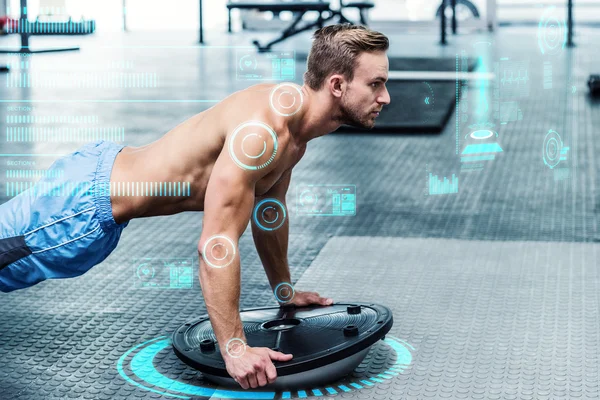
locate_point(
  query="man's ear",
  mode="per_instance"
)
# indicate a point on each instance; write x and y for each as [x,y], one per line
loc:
[336,84]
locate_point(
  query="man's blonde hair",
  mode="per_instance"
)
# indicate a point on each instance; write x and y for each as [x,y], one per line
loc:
[335,49]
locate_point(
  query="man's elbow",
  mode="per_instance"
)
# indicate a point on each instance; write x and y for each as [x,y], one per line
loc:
[218,250]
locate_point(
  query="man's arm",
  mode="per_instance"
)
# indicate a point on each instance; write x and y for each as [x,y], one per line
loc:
[227,209]
[228,205]
[272,246]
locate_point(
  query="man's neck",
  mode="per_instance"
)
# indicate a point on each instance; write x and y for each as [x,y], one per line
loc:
[316,118]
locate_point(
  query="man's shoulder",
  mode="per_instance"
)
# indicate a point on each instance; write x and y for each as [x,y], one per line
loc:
[274,105]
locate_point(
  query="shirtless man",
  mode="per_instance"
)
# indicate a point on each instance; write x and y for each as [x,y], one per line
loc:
[226,162]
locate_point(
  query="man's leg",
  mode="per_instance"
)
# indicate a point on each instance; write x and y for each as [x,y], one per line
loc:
[62,226]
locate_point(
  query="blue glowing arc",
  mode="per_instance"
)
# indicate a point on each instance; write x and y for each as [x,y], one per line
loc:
[258,221]
[142,367]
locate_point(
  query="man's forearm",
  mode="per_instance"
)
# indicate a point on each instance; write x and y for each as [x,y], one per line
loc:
[221,291]
[272,248]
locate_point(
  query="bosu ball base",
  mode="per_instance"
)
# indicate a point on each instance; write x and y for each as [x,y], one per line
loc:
[327,342]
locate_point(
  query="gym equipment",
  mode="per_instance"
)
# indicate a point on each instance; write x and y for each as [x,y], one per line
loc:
[257,21]
[299,8]
[25,28]
[327,342]
[594,84]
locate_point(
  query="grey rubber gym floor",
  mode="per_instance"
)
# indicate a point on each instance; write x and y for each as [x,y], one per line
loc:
[494,289]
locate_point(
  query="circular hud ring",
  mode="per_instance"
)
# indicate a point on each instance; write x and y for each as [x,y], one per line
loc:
[253,145]
[308,198]
[269,214]
[219,251]
[284,292]
[143,367]
[286,99]
[248,62]
[235,348]
[145,272]
[552,149]
[552,34]
[482,134]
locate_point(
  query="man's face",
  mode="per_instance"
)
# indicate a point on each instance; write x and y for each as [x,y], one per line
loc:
[366,94]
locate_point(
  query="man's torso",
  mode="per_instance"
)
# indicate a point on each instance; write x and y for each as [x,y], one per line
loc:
[188,153]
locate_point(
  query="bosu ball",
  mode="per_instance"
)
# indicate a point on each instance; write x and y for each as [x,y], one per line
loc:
[327,342]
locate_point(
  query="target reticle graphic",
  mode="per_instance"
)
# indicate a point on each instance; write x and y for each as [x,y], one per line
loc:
[286,99]
[552,33]
[248,62]
[284,292]
[235,347]
[552,149]
[269,214]
[145,272]
[308,198]
[219,251]
[253,145]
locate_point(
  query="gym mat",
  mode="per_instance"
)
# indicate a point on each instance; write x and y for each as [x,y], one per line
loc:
[486,319]
[416,106]
[413,63]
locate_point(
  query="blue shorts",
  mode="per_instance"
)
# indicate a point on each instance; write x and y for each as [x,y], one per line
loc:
[63,225]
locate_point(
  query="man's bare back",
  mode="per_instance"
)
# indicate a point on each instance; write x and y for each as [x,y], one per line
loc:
[188,153]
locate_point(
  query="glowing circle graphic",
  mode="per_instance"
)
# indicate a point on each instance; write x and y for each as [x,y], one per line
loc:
[219,251]
[137,367]
[284,292]
[552,149]
[145,272]
[253,134]
[248,62]
[308,198]
[552,33]
[235,347]
[269,214]
[286,99]
[482,134]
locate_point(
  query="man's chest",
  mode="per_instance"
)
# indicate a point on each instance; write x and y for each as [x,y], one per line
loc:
[288,161]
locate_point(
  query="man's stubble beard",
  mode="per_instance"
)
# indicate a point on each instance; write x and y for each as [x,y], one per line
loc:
[351,115]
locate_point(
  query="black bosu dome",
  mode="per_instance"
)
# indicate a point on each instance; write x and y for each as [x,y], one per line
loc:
[327,342]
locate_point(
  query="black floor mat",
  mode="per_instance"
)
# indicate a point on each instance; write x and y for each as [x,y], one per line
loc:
[416,106]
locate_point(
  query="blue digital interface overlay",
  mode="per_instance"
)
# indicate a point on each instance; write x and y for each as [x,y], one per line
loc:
[137,367]
[27,71]
[552,32]
[326,200]
[163,273]
[443,185]
[276,66]
[426,99]
[512,83]
[269,214]
[555,155]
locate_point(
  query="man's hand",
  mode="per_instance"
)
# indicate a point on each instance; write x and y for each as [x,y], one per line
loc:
[255,368]
[302,299]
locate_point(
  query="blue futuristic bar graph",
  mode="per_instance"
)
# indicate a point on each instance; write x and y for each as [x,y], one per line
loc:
[437,186]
